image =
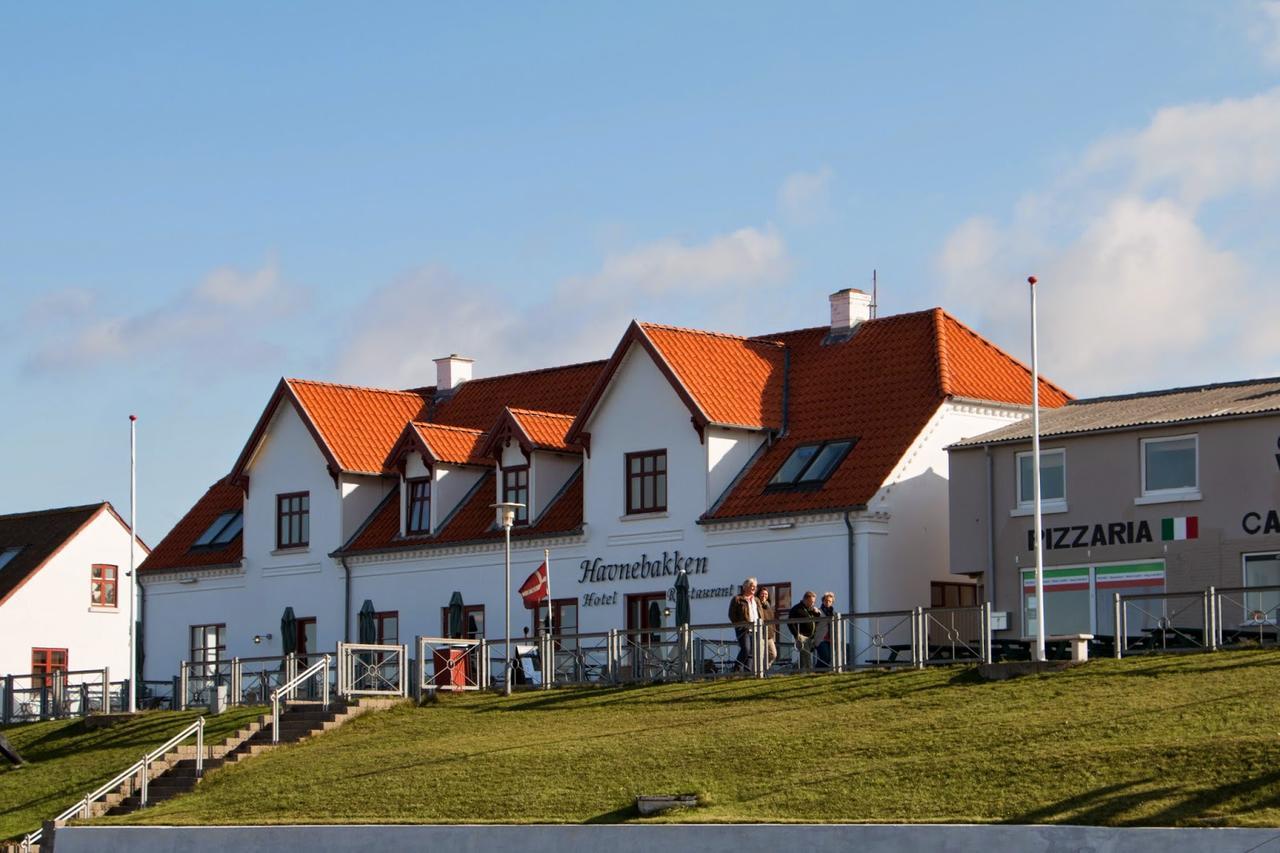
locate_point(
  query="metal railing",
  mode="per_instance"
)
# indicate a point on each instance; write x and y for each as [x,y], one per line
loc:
[1253,611]
[1147,623]
[369,669]
[59,694]
[451,664]
[286,691]
[138,774]
[954,634]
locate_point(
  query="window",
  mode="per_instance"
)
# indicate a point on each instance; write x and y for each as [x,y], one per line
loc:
[810,465]
[472,621]
[208,642]
[564,620]
[388,625]
[1053,477]
[646,481]
[946,594]
[7,554]
[224,528]
[45,662]
[515,489]
[102,586]
[417,512]
[1264,606]
[1170,465]
[1081,599]
[293,520]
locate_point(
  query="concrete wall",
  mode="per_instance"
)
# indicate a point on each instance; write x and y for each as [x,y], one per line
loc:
[708,838]
[52,609]
[1238,475]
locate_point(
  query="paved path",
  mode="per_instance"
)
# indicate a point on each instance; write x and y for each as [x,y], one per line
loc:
[647,838]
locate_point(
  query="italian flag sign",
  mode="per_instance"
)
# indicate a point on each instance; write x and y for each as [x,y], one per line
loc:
[1177,529]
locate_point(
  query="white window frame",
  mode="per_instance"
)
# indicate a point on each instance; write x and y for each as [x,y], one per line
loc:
[1093,587]
[1244,576]
[1047,505]
[1182,493]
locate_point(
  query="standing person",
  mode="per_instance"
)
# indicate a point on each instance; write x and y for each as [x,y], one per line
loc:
[824,645]
[744,612]
[770,627]
[801,624]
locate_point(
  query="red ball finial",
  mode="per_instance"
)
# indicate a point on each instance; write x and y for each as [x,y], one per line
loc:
[1031,280]
[133,417]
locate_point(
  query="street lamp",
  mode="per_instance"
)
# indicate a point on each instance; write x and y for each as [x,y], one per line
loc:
[507,518]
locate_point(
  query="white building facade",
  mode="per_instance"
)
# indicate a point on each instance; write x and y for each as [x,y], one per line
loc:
[810,460]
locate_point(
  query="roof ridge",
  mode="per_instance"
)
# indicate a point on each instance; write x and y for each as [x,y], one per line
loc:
[435,425]
[1165,392]
[293,379]
[55,510]
[531,372]
[943,360]
[872,320]
[750,339]
[538,412]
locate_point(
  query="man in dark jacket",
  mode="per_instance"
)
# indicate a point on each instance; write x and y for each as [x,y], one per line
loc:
[801,624]
[744,612]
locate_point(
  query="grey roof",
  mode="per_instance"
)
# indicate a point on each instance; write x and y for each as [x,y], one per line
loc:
[1150,408]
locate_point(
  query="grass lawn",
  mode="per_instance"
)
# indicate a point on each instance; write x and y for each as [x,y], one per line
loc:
[66,759]
[1175,740]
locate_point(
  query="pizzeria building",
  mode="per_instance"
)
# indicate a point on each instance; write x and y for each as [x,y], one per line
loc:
[1166,491]
[809,459]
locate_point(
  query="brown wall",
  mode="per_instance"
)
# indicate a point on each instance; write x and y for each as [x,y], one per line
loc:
[1238,474]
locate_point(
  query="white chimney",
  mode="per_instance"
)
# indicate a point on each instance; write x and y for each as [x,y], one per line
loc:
[849,307]
[452,371]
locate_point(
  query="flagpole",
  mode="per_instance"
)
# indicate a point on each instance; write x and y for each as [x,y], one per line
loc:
[546,560]
[132,704]
[1035,475]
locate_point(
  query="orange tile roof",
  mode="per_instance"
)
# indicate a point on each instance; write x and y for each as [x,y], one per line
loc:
[735,381]
[881,386]
[546,430]
[359,425]
[174,550]
[456,445]
[478,402]
[472,521]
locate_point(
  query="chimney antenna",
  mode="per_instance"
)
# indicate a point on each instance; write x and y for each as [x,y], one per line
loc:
[874,294]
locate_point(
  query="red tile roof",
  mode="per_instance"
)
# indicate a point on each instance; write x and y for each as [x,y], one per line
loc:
[437,443]
[478,402]
[174,550]
[533,430]
[735,381]
[474,520]
[358,424]
[881,386]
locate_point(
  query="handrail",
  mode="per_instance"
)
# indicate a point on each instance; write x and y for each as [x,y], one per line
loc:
[287,691]
[82,806]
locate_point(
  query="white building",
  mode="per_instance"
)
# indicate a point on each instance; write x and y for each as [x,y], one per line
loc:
[64,590]
[811,459]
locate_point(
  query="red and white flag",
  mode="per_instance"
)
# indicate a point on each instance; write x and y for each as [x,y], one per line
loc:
[536,587]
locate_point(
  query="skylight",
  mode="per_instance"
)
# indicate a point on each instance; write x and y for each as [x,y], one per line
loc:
[7,554]
[224,528]
[811,464]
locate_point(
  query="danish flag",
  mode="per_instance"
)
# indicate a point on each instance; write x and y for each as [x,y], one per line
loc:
[536,587]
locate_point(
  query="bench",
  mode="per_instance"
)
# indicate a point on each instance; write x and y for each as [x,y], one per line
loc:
[1078,643]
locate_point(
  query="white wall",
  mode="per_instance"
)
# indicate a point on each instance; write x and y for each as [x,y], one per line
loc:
[360,495]
[52,610]
[728,451]
[451,485]
[553,471]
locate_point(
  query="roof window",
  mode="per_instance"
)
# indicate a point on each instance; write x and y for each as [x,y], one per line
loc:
[7,554]
[224,528]
[810,465]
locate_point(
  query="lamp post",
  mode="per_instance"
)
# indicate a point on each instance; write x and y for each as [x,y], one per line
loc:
[132,704]
[1035,475]
[507,518]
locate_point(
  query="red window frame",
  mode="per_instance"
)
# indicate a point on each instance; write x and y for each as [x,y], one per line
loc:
[47,661]
[515,489]
[380,621]
[637,478]
[286,509]
[103,580]
[417,504]
[468,610]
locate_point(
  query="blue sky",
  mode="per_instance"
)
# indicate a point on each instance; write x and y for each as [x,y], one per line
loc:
[197,200]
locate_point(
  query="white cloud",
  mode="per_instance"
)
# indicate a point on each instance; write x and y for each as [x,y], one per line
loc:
[802,198]
[216,316]
[1266,31]
[431,312]
[1137,290]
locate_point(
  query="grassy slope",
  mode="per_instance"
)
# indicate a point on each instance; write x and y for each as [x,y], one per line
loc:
[1186,740]
[67,760]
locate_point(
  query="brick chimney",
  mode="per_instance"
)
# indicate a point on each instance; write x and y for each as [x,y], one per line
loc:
[451,371]
[849,308]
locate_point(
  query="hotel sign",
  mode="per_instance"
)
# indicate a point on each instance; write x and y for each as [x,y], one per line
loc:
[668,565]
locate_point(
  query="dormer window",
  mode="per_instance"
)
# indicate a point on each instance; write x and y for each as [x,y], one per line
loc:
[7,554]
[224,528]
[515,489]
[417,510]
[810,465]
